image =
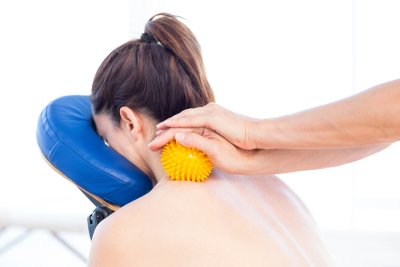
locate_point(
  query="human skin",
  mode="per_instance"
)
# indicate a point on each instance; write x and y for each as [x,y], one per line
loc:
[224,155]
[354,128]
[368,118]
[229,220]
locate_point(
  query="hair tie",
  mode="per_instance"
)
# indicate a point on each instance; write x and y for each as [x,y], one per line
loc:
[148,38]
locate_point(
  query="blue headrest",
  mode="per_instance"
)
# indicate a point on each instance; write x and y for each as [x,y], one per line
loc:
[66,137]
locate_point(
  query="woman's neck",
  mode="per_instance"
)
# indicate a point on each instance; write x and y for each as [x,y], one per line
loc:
[156,170]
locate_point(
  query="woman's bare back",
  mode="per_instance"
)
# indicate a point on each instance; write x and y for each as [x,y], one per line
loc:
[226,221]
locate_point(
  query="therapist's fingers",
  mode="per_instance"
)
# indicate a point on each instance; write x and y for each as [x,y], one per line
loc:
[196,141]
[197,121]
[237,129]
[223,154]
[192,117]
[164,136]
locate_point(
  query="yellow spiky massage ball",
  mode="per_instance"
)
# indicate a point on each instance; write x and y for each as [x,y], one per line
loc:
[185,163]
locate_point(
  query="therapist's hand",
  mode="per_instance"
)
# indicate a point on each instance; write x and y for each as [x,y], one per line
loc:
[235,128]
[224,155]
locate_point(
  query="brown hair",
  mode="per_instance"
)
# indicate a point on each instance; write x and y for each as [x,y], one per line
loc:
[160,74]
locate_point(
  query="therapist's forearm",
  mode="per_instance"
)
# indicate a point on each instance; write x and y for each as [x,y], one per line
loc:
[277,161]
[370,117]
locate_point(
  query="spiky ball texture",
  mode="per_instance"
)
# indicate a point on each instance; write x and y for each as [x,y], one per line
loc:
[185,163]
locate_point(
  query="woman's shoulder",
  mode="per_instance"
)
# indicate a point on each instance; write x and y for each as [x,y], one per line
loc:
[133,213]
[122,230]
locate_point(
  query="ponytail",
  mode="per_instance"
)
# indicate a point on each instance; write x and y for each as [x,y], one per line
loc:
[180,40]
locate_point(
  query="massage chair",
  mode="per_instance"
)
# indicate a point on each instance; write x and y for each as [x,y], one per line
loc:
[68,140]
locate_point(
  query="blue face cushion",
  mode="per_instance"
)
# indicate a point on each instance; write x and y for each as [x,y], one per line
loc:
[68,140]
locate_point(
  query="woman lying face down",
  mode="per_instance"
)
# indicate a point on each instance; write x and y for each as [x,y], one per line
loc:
[229,220]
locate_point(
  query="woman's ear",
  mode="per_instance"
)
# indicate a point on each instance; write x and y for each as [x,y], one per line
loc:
[131,121]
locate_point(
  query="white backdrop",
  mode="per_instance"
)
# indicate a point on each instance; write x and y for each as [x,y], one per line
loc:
[263,59]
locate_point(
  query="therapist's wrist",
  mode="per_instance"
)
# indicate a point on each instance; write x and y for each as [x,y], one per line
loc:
[264,134]
[257,162]
[250,136]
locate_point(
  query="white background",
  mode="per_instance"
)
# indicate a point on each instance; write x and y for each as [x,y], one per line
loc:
[263,59]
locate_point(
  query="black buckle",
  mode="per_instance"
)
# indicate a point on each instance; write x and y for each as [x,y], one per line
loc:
[99,214]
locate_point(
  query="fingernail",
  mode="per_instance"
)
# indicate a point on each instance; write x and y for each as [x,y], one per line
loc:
[180,137]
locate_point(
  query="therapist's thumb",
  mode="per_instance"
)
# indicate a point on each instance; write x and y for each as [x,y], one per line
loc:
[194,140]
